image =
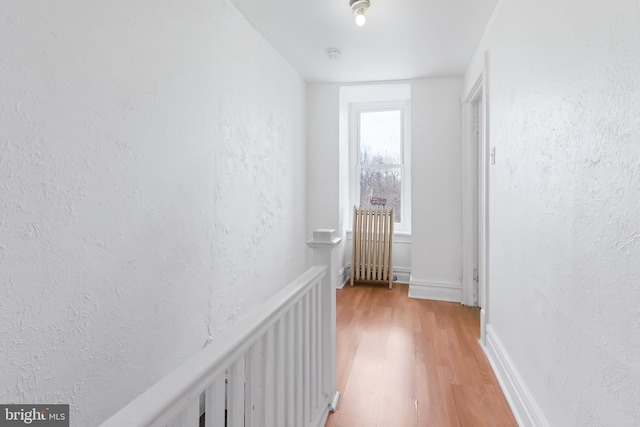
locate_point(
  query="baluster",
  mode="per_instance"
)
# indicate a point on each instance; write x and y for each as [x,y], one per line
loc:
[269,389]
[235,396]
[306,361]
[299,380]
[290,368]
[319,394]
[252,386]
[280,373]
[214,414]
[313,361]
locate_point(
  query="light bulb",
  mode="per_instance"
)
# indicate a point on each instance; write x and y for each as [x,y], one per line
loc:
[360,19]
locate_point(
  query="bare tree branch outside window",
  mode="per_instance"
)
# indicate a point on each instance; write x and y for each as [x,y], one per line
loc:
[380,159]
[381,186]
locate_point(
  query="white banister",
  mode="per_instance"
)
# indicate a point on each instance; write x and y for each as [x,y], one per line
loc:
[275,367]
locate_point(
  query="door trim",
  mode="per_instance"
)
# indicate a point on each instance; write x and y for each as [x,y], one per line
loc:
[470,293]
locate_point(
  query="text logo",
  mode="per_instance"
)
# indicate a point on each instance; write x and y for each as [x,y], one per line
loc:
[34,415]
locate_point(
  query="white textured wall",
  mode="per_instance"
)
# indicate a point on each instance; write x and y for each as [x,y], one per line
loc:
[151,191]
[322,157]
[564,294]
[436,217]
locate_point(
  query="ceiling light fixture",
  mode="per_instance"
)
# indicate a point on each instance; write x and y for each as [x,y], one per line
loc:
[359,7]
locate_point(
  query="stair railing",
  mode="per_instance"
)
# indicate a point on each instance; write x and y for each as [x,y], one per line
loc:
[275,367]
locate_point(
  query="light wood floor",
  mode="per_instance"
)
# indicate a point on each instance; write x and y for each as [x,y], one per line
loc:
[404,362]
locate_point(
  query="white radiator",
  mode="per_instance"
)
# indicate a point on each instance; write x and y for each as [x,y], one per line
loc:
[372,245]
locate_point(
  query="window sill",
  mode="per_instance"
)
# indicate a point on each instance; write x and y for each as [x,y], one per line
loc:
[398,236]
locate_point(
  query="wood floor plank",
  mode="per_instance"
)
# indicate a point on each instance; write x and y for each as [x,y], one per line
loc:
[406,362]
[477,406]
[368,366]
[436,406]
[358,409]
[395,411]
[399,380]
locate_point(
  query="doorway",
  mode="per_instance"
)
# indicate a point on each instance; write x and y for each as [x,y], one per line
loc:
[476,159]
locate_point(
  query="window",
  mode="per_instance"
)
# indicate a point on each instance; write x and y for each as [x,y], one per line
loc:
[379,153]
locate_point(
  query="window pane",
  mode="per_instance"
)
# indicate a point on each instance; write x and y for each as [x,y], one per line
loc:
[380,137]
[381,187]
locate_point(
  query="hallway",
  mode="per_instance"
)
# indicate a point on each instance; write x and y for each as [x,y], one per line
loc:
[408,362]
[163,164]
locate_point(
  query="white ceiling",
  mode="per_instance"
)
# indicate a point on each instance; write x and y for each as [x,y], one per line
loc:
[402,39]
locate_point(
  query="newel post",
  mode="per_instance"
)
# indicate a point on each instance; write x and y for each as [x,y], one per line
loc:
[325,245]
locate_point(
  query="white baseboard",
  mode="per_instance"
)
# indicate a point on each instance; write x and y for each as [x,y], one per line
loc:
[343,276]
[402,274]
[483,326]
[524,407]
[451,292]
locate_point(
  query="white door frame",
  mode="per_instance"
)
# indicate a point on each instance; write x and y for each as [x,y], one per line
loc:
[471,295]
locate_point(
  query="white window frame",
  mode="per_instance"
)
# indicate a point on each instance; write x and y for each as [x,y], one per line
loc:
[355,109]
